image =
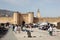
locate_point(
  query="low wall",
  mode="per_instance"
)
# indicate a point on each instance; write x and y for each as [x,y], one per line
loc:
[6,19]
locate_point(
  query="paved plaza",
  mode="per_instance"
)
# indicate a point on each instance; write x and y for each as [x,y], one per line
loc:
[36,35]
[9,36]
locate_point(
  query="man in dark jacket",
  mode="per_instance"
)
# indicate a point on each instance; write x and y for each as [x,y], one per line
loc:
[23,24]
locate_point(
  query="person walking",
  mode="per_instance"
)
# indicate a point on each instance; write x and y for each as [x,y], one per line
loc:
[15,29]
[23,24]
[50,30]
[18,28]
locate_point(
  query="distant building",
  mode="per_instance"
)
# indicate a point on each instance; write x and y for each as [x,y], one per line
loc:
[28,17]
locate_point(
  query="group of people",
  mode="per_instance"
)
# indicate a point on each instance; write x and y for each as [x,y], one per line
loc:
[18,28]
[48,27]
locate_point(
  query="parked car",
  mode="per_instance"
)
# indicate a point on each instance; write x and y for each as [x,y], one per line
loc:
[44,26]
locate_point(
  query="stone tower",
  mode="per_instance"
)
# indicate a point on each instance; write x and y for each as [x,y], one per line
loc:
[15,18]
[38,14]
[30,17]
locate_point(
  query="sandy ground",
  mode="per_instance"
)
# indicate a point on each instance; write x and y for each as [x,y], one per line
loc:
[39,35]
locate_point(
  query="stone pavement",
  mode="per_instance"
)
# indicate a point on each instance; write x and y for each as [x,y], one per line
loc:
[38,35]
[9,36]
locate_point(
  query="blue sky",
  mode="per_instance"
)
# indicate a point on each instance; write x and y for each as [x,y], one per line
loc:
[48,8]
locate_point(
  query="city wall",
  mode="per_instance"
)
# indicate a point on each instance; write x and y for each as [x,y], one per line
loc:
[6,19]
[28,17]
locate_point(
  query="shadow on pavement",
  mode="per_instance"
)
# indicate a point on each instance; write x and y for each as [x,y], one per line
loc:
[3,32]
